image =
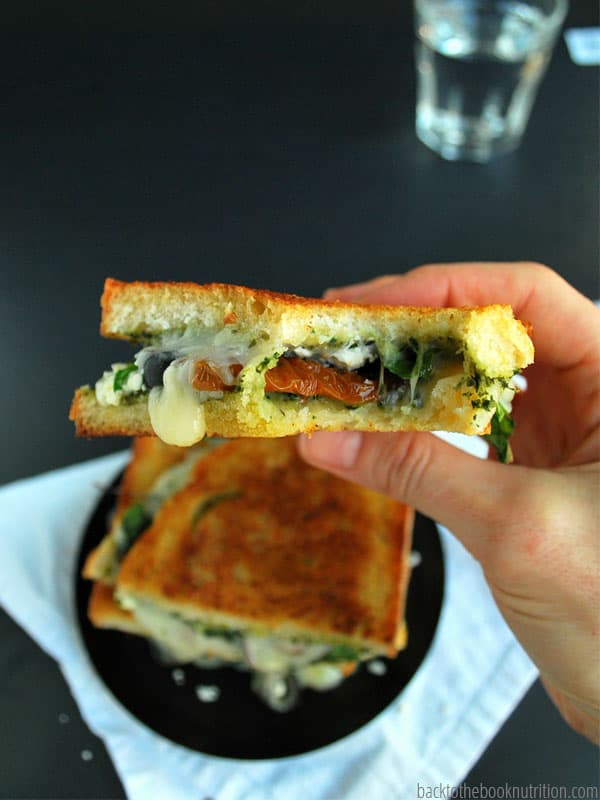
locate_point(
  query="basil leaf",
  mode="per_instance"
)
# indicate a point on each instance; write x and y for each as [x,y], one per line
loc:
[133,522]
[121,376]
[502,428]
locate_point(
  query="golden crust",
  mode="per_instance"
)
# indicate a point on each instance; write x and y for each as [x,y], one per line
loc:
[260,540]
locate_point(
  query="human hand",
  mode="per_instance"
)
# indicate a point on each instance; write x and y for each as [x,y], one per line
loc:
[533,526]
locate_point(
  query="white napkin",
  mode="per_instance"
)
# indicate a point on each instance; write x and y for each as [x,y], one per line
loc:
[472,678]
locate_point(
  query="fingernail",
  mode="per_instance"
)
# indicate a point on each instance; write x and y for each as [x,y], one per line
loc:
[339,450]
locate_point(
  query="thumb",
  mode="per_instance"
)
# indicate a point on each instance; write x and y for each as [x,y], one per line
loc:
[468,495]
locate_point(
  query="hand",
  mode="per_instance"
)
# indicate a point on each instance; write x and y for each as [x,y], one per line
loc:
[534,525]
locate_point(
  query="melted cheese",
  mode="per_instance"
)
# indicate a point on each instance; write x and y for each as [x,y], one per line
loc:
[176,414]
[321,676]
[278,664]
[350,356]
[179,640]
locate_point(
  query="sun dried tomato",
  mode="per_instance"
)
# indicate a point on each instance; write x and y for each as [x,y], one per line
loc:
[207,379]
[298,376]
[313,379]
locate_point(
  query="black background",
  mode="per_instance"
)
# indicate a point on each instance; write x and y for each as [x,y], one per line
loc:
[259,145]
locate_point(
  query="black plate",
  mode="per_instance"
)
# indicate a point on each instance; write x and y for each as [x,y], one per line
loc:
[238,724]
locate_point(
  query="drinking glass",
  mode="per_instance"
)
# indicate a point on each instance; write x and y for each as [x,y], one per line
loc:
[479,65]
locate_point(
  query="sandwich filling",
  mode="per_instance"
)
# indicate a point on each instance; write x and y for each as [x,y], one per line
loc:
[275,660]
[180,373]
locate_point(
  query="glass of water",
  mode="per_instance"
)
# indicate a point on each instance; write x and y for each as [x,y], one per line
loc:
[479,65]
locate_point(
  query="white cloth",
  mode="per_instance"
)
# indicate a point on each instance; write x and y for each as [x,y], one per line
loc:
[472,678]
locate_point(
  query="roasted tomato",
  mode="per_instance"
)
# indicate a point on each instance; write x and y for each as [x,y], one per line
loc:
[207,379]
[312,379]
[297,376]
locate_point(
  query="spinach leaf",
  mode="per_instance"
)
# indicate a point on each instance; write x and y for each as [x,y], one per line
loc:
[502,427]
[403,365]
[424,363]
[121,376]
[229,634]
[413,362]
[133,522]
[343,652]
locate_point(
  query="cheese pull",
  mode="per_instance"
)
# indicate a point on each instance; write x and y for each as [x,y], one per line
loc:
[175,413]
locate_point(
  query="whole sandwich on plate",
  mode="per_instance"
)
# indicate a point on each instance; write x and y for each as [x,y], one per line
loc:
[257,560]
[230,361]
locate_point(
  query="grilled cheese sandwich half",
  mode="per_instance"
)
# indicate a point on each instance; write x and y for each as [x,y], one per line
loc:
[267,563]
[231,361]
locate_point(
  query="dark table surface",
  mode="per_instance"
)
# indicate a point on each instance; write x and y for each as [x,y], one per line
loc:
[279,156]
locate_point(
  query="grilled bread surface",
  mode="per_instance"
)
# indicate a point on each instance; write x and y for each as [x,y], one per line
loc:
[259,541]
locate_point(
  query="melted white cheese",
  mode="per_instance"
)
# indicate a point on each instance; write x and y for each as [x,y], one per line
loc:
[176,414]
[320,676]
[277,654]
[273,660]
[349,356]
[182,642]
[221,348]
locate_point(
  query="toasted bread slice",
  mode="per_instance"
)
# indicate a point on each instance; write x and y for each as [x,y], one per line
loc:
[415,368]
[261,543]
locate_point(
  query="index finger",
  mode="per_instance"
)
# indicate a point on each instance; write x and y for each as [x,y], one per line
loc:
[566,325]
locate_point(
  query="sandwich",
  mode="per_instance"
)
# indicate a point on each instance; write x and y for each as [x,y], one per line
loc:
[230,361]
[267,564]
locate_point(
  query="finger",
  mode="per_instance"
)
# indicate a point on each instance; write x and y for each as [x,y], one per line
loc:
[537,294]
[462,492]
